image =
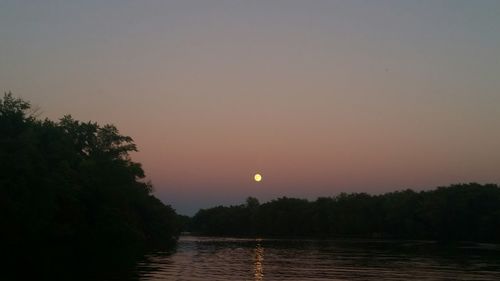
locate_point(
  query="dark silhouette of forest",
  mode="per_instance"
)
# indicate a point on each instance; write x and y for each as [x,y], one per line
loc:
[69,188]
[455,213]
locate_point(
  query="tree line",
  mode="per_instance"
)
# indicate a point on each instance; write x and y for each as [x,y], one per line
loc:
[70,187]
[457,212]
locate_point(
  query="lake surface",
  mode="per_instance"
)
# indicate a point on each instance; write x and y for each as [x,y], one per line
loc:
[213,258]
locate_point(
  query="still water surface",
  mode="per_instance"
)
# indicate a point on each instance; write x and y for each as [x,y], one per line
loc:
[213,258]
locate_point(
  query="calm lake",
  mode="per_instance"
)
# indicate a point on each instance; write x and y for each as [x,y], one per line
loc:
[213,258]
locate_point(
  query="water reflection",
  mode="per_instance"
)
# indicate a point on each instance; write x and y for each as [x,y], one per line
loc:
[258,262]
[227,259]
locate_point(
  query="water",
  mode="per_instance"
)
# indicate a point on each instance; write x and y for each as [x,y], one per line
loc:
[214,258]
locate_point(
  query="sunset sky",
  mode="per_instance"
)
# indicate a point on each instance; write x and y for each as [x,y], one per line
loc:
[320,97]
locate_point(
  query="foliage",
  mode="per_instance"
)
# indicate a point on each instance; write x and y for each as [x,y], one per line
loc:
[458,212]
[73,184]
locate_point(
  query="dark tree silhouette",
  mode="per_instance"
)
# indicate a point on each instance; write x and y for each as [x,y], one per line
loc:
[72,186]
[458,212]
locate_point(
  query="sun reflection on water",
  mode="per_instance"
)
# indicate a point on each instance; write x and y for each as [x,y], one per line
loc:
[258,262]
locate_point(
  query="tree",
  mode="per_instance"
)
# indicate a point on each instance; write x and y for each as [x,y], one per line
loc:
[72,186]
[457,212]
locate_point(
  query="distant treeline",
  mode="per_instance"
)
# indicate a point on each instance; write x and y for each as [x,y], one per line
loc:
[70,187]
[458,212]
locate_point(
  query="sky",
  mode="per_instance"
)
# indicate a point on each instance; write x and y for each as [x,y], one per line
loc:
[320,97]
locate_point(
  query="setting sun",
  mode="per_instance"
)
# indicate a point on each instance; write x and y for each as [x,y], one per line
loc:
[257,177]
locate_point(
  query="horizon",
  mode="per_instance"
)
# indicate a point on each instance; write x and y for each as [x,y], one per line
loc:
[319,97]
[313,199]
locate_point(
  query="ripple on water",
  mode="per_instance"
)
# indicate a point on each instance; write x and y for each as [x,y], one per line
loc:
[221,259]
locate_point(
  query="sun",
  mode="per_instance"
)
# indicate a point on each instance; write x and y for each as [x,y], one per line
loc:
[257,177]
